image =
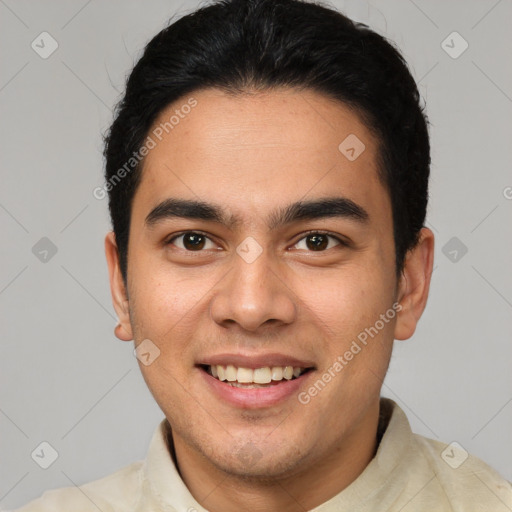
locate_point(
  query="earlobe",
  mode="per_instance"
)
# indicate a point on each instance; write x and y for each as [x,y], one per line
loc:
[123,330]
[122,334]
[415,284]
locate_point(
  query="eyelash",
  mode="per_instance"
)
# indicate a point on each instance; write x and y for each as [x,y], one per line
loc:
[340,241]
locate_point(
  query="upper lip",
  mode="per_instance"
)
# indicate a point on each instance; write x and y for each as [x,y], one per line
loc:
[255,361]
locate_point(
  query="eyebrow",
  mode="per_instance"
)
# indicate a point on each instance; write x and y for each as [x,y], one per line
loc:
[302,210]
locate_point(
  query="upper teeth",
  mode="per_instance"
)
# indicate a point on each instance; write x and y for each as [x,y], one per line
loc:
[257,376]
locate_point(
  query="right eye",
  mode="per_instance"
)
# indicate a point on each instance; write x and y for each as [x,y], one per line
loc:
[192,241]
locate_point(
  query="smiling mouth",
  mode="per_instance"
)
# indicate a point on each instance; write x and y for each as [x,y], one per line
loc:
[249,378]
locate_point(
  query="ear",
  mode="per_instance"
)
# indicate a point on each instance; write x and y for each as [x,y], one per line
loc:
[414,285]
[117,288]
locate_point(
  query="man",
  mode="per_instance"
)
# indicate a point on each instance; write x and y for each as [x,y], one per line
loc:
[267,173]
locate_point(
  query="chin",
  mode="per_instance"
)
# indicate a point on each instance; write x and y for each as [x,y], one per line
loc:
[258,461]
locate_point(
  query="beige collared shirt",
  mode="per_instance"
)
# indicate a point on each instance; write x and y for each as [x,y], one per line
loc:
[409,473]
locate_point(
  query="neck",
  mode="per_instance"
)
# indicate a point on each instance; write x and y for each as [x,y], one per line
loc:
[305,489]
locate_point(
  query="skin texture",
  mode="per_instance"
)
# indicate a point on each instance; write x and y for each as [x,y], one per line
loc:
[252,154]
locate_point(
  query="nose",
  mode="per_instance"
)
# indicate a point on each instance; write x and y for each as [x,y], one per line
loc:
[253,296]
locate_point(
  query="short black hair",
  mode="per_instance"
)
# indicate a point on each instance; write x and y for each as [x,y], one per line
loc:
[239,46]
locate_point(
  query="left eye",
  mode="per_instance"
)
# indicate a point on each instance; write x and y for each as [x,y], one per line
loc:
[317,242]
[192,241]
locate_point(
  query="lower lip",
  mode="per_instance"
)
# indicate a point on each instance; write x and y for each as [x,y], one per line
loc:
[254,398]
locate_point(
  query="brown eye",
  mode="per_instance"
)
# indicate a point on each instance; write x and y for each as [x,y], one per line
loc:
[192,241]
[318,242]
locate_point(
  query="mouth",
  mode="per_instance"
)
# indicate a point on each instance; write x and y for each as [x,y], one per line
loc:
[251,378]
[254,381]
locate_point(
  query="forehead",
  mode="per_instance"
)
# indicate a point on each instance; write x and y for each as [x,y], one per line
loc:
[255,150]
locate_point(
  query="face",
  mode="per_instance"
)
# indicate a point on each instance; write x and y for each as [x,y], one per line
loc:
[262,253]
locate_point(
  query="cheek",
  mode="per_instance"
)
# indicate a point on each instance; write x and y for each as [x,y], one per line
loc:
[169,309]
[348,299]
[163,311]
[162,295]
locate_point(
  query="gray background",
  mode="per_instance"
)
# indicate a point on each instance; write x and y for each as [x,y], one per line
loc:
[67,380]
